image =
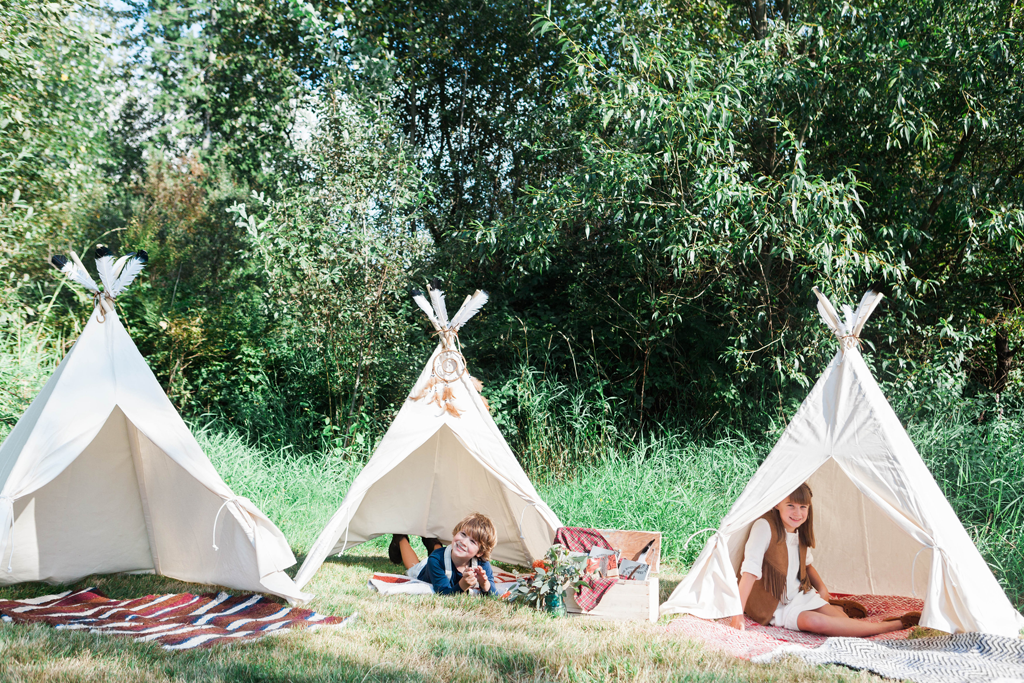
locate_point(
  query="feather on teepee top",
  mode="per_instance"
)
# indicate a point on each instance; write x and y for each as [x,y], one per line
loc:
[114,275]
[449,364]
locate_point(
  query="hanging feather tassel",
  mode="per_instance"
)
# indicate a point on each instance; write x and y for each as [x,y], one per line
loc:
[421,301]
[452,410]
[426,387]
[435,399]
[470,308]
[447,394]
[137,261]
[419,395]
[105,268]
[477,384]
[437,298]
[72,270]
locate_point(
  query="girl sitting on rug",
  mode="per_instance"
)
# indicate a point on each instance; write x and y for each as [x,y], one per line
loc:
[780,587]
[461,567]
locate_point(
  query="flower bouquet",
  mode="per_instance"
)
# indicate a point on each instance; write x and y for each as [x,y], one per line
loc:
[557,573]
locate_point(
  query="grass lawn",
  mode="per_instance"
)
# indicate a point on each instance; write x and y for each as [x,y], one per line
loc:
[675,486]
[396,638]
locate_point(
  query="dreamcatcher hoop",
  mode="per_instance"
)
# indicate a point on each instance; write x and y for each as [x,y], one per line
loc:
[449,365]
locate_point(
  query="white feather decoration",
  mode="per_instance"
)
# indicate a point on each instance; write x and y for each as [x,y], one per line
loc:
[105,268]
[119,264]
[470,308]
[437,297]
[72,269]
[131,270]
[421,301]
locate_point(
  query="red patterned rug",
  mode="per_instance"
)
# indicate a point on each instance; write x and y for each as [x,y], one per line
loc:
[758,640]
[178,621]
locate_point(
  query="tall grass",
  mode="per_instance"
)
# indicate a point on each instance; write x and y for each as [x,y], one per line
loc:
[27,359]
[670,484]
[299,491]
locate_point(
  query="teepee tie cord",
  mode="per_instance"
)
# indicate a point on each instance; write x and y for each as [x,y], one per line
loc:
[10,504]
[844,337]
[523,514]
[98,299]
[232,499]
[710,528]
[913,566]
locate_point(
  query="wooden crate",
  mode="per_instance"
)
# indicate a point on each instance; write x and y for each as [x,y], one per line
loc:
[627,600]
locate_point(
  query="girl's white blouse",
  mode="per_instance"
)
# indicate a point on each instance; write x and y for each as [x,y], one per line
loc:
[757,544]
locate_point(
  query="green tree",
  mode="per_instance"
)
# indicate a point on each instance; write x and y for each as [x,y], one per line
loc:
[711,174]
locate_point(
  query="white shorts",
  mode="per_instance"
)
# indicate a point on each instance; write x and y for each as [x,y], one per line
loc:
[786,615]
[413,572]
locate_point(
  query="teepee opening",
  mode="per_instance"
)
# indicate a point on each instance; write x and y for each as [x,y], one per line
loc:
[436,483]
[91,511]
[863,550]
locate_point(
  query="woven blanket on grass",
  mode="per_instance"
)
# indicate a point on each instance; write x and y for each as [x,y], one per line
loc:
[759,640]
[394,584]
[960,658]
[176,621]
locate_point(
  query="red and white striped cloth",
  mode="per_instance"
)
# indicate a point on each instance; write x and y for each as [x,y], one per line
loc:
[177,621]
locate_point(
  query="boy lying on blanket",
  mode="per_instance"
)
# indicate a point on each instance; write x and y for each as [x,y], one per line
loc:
[461,567]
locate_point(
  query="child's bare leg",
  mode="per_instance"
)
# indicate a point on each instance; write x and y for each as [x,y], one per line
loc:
[409,558]
[825,621]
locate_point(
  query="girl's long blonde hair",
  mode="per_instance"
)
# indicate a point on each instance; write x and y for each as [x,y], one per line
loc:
[802,496]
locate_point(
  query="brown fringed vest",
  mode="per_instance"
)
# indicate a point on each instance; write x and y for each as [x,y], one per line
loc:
[769,590]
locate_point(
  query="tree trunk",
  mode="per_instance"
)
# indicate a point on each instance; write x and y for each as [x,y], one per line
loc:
[1004,359]
[756,12]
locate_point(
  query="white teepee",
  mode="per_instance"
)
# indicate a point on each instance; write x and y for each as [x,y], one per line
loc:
[882,524]
[101,474]
[442,458]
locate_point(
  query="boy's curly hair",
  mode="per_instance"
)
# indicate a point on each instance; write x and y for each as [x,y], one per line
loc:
[481,529]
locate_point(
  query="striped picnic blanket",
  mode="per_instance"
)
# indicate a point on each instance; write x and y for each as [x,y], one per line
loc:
[960,658]
[177,621]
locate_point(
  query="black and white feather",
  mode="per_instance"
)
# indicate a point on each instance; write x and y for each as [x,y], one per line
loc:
[422,302]
[127,269]
[437,298]
[74,269]
[470,307]
[105,268]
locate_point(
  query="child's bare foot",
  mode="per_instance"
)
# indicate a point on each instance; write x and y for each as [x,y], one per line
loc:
[903,621]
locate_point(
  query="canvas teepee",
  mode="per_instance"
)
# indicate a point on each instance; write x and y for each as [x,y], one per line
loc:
[442,458]
[101,474]
[882,524]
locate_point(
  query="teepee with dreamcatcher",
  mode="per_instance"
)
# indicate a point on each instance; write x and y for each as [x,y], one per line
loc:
[442,458]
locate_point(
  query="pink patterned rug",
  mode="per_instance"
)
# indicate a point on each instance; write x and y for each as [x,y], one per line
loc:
[758,640]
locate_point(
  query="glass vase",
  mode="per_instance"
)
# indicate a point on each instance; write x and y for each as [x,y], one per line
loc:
[554,604]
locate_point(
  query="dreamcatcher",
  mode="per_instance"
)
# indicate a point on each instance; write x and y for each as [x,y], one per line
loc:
[448,365]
